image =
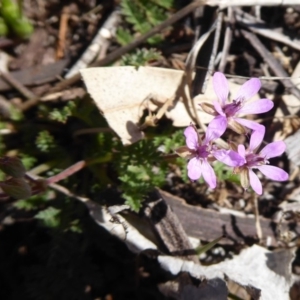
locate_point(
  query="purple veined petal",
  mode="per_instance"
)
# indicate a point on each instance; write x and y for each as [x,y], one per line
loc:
[215,128]
[218,108]
[221,87]
[273,149]
[248,89]
[194,168]
[229,157]
[191,137]
[256,138]
[209,174]
[250,124]
[256,107]
[255,182]
[242,151]
[274,173]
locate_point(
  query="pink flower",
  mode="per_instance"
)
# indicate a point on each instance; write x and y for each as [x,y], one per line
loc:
[260,161]
[201,152]
[228,113]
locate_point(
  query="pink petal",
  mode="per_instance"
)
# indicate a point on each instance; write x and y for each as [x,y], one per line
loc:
[248,89]
[229,157]
[215,128]
[273,149]
[221,87]
[218,108]
[256,107]
[255,182]
[274,173]
[194,168]
[256,139]
[242,151]
[209,174]
[191,137]
[250,124]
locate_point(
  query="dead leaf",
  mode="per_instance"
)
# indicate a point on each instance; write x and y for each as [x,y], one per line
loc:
[258,270]
[122,94]
[289,107]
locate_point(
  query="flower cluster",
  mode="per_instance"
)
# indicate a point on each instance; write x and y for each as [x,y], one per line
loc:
[202,151]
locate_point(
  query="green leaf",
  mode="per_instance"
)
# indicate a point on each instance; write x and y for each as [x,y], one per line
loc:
[124,37]
[22,27]
[33,202]
[62,115]
[13,17]
[50,216]
[208,246]
[142,15]
[10,10]
[140,57]
[167,4]
[134,202]
[3,27]
[45,141]
[133,14]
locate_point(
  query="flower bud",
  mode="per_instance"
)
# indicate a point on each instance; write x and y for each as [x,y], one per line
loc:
[17,188]
[12,166]
[184,152]
[208,108]
[237,127]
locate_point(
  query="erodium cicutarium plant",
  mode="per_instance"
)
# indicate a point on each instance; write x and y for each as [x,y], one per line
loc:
[201,151]
[229,113]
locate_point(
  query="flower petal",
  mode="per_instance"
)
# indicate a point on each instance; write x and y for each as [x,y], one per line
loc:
[256,107]
[229,157]
[215,128]
[255,182]
[194,168]
[256,139]
[191,137]
[248,89]
[242,150]
[221,87]
[250,124]
[273,149]
[218,108]
[209,174]
[274,173]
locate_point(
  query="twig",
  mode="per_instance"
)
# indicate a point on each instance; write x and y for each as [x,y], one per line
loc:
[211,65]
[63,26]
[227,41]
[110,58]
[256,214]
[113,56]
[92,131]
[17,85]
[189,70]
[272,62]
[99,44]
[67,173]
[259,27]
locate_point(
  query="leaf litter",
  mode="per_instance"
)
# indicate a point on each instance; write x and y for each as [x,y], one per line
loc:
[125,94]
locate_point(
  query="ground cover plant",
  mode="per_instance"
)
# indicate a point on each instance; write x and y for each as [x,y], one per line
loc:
[149,149]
